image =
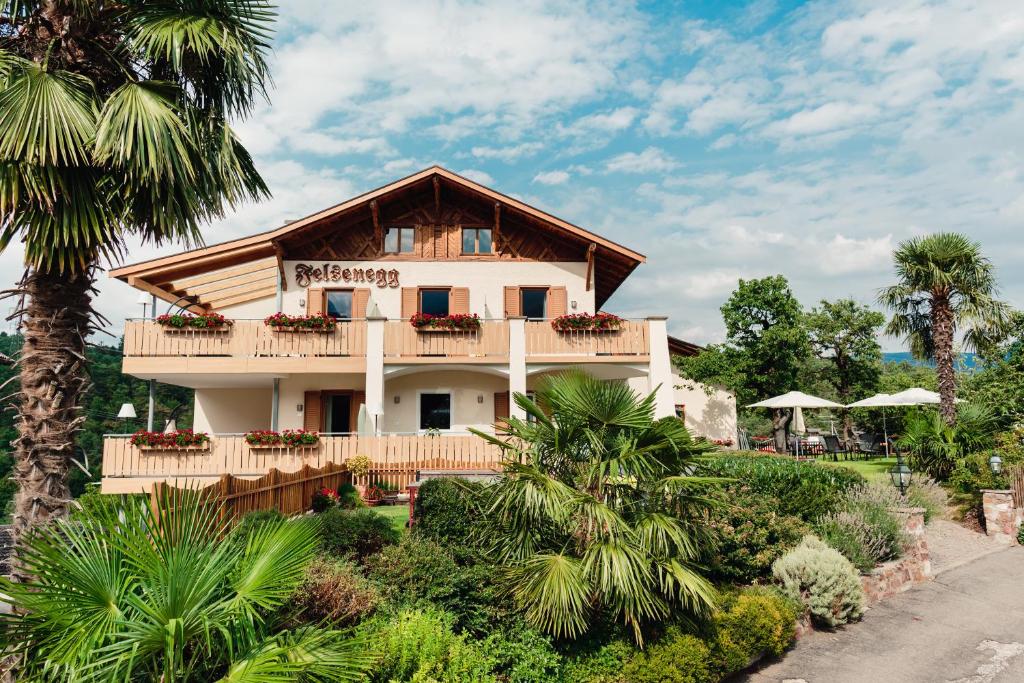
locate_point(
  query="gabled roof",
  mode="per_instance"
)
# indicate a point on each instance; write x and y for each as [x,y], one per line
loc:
[155,274]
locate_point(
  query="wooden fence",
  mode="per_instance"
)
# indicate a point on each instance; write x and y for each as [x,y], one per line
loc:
[1015,473]
[289,493]
[396,459]
[243,339]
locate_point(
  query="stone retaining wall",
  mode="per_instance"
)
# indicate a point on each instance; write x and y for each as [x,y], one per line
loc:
[892,578]
[1002,519]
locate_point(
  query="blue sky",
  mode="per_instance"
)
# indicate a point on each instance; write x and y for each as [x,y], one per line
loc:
[723,140]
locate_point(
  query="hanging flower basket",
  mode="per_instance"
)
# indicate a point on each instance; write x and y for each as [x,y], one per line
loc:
[455,322]
[282,322]
[180,440]
[187,322]
[577,322]
[289,438]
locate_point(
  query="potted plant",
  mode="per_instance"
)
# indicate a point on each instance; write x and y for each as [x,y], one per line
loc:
[578,322]
[453,322]
[210,322]
[373,496]
[179,440]
[289,438]
[359,466]
[282,322]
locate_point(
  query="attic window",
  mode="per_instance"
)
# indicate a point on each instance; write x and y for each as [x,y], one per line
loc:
[399,240]
[476,241]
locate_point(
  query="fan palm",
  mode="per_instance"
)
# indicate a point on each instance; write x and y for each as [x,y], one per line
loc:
[113,124]
[945,285]
[130,592]
[597,509]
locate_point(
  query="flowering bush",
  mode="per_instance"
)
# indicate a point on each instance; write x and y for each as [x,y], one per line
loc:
[453,321]
[203,321]
[289,437]
[722,442]
[374,493]
[359,465]
[313,323]
[324,499]
[178,439]
[599,322]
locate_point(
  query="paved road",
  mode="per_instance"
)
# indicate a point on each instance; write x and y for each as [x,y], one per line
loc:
[966,626]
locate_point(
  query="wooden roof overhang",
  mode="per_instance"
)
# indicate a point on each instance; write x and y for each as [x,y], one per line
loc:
[246,269]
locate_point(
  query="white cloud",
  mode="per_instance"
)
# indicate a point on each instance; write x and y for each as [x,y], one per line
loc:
[482,177]
[551,177]
[651,160]
[507,154]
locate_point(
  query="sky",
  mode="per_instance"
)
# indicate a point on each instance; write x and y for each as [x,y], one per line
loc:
[724,140]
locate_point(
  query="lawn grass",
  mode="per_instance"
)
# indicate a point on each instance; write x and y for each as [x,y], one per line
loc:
[398,514]
[876,469]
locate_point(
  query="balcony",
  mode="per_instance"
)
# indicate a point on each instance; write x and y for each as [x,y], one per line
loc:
[396,459]
[249,346]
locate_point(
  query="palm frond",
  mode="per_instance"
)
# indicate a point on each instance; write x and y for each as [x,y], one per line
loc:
[553,592]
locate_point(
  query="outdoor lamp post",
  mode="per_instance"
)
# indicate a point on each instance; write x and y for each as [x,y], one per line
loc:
[900,475]
[995,463]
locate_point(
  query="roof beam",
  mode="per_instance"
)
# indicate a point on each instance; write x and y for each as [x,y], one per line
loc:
[169,297]
[590,265]
[437,199]
[378,231]
[497,225]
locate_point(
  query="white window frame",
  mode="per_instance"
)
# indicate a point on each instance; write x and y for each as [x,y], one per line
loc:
[451,408]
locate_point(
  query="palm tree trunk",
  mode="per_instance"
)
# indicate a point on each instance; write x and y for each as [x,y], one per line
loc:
[53,378]
[942,336]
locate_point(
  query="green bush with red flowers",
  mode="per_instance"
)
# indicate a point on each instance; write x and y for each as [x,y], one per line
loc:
[182,438]
[452,321]
[599,322]
[302,323]
[289,438]
[203,321]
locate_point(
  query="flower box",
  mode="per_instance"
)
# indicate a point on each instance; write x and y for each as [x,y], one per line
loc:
[455,322]
[180,440]
[289,438]
[187,322]
[282,322]
[584,322]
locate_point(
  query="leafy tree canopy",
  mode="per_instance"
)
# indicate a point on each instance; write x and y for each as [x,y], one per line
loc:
[844,333]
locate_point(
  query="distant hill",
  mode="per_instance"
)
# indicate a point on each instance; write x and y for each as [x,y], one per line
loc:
[967,360]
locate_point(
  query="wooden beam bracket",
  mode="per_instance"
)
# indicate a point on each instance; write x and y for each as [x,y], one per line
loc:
[590,265]
[497,225]
[279,252]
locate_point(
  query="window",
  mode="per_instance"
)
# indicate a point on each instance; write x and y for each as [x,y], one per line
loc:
[434,301]
[476,241]
[339,411]
[399,240]
[435,411]
[533,302]
[339,303]
[681,411]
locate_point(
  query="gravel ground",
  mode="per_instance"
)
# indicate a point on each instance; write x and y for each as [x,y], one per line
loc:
[951,545]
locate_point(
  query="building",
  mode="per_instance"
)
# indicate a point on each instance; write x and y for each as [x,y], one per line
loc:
[433,243]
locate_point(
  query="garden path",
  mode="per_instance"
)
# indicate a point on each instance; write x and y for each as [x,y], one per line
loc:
[966,626]
[951,545]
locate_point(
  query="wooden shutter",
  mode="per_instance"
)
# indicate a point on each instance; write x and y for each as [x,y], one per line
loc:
[454,241]
[557,302]
[502,407]
[512,303]
[410,303]
[458,300]
[358,399]
[312,412]
[315,301]
[360,298]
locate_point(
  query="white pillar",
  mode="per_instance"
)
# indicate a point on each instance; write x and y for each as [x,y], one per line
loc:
[275,404]
[151,410]
[279,299]
[659,371]
[375,369]
[516,364]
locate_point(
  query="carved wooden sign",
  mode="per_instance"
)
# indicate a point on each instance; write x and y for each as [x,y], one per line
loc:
[306,274]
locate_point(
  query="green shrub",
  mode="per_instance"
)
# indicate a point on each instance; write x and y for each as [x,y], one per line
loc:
[523,655]
[972,475]
[677,658]
[926,493]
[756,622]
[349,498]
[601,665]
[419,570]
[253,521]
[848,534]
[359,533]
[823,581]
[334,592]
[446,510]
[421,645]
[752,534]
[866,530]
[804,489]
[936,448]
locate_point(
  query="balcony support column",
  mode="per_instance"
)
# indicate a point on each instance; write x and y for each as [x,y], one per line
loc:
[375,369]
[659,371]
[151,408]
[279,299]
[275,404]
[516,364]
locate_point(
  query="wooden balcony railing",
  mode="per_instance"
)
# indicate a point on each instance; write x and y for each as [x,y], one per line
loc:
[402,340]
[396,459]
[243,339]
[631,339]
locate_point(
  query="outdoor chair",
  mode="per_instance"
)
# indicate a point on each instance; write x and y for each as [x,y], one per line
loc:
[835,447]
[869,444]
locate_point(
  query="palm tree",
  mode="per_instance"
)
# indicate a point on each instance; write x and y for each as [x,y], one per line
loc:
[132,592]
[597,509]
[113,124]
[945,285]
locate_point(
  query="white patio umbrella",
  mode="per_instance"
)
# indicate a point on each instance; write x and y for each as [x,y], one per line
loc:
[794,400]
[798,421]
[880,401]
[917,396]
